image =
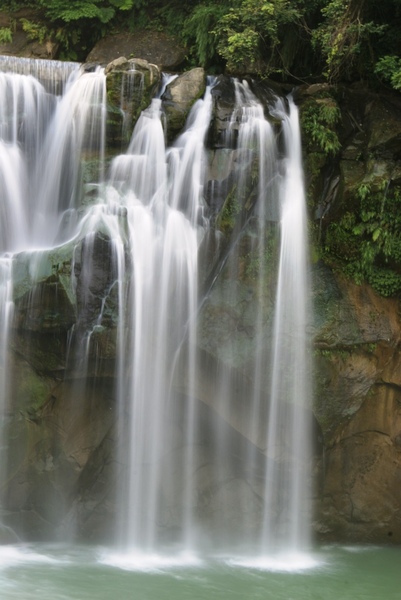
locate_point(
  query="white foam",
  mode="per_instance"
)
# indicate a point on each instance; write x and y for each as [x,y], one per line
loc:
[283,562]
[11,556]
[149,562]
[359,548]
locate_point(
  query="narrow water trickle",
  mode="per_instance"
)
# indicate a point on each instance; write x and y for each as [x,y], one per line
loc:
[6,313]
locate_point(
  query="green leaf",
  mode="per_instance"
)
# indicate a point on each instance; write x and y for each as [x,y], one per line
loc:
[358,229]
[376,234]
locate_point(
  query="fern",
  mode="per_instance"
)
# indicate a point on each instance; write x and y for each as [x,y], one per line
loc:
[68,11]
[198,31]
[6,35]
[318,117]
[35,31]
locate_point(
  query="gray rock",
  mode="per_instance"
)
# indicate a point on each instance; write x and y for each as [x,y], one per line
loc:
[154,46]
[179,97]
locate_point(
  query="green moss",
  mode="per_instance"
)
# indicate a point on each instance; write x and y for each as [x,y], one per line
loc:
[332,353]
[30,390]
[34,390]
[344,352]
[231,209]
[261,261]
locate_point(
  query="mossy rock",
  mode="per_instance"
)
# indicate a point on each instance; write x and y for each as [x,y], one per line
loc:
[46,307]
[31,268]
[131,84]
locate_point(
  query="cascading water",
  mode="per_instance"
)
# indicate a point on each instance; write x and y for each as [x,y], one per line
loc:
[146,221]
[6,309]
[287,481]
[34,125]
[278,392]
[162,194]
[59,114]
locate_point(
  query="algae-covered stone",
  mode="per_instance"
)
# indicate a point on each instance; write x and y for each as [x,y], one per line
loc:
[30,268]
[45,307]
[43,290]
[131,85]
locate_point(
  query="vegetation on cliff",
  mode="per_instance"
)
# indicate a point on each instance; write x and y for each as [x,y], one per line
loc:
[289,39]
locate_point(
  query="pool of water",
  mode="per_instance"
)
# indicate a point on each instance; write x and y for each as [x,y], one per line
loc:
[43,572]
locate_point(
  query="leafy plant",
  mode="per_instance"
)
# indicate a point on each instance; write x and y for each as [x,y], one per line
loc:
[367,240]
[75,10]
[198,31]
[389,68]
[6,35]
[251,30]
[35,31]
[319,116]
[344,38]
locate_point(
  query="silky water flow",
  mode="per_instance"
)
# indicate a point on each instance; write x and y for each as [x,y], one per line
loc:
[147,210]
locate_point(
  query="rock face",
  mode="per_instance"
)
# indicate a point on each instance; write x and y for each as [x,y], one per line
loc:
[62,456]
[154,46]
[357,404]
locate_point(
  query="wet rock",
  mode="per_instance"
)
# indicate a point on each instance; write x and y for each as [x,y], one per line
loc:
[49,454]
[94,275]
[357,404]
[44,312]
[179,97]
[46,307]
[131,84]
[384,125]
[223,94]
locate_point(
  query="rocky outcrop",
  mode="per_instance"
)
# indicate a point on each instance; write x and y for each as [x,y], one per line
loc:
[179,97]
[155,47]
[51,448]
[131,85]
[358,407]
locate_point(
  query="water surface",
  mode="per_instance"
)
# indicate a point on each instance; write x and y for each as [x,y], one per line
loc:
[33,572]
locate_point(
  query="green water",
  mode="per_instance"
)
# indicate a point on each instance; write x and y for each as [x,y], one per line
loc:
[54,573]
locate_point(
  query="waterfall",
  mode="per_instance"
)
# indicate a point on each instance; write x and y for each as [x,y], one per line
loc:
[6,311]
[51,116]
[287,477]
[162,190]
[277,393]
[201,457]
